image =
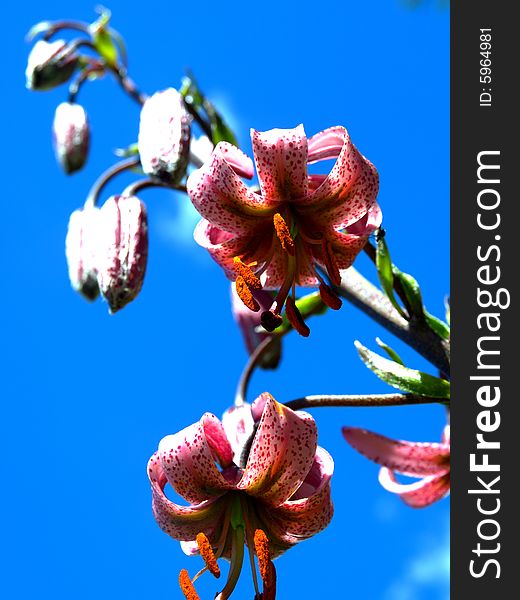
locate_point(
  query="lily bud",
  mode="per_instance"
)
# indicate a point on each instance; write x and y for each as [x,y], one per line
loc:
[50,64]
[80,252]
[71,136]
[249,323]
[164,136]
[122,250]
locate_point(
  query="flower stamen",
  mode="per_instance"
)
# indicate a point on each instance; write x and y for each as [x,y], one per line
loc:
[329,297]
[295,317]
[265,565]
[330,262]
[245,294]
[206,552]
[283,233]
[187,587]
[247,274]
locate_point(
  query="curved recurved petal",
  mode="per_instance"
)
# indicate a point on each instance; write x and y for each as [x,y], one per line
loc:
[182,522]
[349,204]
[326,144]
[281,163]
[217,440]
[188,462]
[238,425]
[409,458]
[369,223]
[221,245]
[282,452]
[222,198]
[420,493]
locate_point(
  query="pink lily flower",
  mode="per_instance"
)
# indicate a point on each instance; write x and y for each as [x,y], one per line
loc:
[278,237]
[270,490]
[429,461]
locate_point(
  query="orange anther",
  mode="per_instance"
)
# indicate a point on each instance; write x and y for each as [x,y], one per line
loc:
[283,233]
[206,552]
[245,294]
[246,272]
[187,586]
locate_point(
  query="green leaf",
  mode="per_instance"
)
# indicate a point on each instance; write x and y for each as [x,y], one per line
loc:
[102,38]
[412,291]
[220,131]
[385,273]
[403,378]
[390,351]
[438,326]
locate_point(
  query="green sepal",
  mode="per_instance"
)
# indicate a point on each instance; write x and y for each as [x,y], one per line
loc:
[390,351]
[403,378]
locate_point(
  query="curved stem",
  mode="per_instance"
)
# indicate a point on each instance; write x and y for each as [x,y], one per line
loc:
[206,128]
[73,25]
[127,84]
[365,296]
[252,363]
[105,177]
[75,86]
[362,400]
[137,186]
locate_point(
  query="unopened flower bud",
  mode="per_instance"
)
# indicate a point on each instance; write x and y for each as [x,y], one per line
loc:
[249,323]
[50,64]
[122,250]
[164,136]
[71,136]
[80,251]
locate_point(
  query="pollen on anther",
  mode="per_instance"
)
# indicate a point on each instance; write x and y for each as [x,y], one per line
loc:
[206,552]
[245,294]
[187,586]
[283,233]
[246,272]
[262,552]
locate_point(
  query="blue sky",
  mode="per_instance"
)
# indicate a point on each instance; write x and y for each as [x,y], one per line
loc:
[87,396]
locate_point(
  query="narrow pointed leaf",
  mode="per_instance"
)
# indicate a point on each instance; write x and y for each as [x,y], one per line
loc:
[390,351]
[412,291]
[403,378]
[440,328]
[385,273]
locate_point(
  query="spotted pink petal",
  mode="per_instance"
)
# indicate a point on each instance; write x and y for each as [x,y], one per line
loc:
[344,246]
[348,203]
[281,163]
[217,440]
[222,246]
[303,516]
[409,458]
[181,522]
[326,144]
[221,197]
[420,493]
[369,223]
[238,425]
[282,452]
[188,461]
